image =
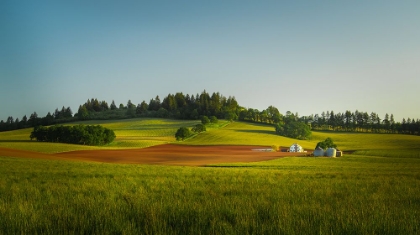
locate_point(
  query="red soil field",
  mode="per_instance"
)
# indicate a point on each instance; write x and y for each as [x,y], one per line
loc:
[168,154]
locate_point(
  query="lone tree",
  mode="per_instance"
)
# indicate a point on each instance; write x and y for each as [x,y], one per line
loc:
[205,120]
[199,128]
[182,133]
[213,119]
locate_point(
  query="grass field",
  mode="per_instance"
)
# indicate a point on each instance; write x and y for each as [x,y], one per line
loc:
[242,133]
[131,133]
[145,132]
[351,195]
[355,194]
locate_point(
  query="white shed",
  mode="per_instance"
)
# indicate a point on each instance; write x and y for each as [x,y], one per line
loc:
[296,148]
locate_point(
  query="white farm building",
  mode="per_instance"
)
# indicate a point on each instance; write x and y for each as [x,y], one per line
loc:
[296,148]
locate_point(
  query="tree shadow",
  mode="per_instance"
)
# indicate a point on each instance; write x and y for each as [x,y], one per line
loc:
[258,132]
[258,124]
[16,141]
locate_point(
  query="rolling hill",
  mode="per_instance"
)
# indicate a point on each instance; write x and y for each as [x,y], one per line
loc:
[146,132]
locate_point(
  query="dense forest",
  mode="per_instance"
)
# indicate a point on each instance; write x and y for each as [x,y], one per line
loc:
[180,106]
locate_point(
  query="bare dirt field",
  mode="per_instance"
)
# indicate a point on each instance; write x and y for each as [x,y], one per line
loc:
[169,154]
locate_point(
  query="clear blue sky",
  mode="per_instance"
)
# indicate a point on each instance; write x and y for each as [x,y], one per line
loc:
[300,56]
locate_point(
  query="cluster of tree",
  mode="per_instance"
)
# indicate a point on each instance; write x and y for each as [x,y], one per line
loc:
[362,122]
[270,115]
[327,143]
[79,134]
[290,126]
[183,132]
[177,106]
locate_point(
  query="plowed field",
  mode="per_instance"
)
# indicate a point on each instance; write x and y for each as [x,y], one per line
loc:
[168,154]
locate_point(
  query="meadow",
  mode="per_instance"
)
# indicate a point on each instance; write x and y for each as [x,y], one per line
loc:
[131,133]
[349,195]
[243,133]
[375,193]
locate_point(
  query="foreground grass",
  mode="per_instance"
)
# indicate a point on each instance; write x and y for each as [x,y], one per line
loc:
[352,195]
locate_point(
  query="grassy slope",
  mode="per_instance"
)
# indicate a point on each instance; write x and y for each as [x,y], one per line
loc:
[131,133]
[385,145]
[136,133]
[239,133]
[243,133]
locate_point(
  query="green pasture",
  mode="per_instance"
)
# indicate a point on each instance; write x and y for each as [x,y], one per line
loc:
[145,132]
[131,133]
[349,195]
[243,133]
[385,145]
[374,191]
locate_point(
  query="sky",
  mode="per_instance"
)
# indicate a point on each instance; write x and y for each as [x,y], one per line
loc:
[300,56]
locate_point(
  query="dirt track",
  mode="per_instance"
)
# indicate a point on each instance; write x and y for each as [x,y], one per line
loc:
[168,154]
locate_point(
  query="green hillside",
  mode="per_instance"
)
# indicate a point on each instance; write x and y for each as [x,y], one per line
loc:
[243,133]
[131,133]
[145,132]
[385,145]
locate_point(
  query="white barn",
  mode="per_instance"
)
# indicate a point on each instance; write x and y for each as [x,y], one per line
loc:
[296,148]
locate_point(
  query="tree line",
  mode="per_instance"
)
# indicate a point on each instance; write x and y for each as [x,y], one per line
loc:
[180,106]
[177,106]
[79,134]
[362,122]
[64,115]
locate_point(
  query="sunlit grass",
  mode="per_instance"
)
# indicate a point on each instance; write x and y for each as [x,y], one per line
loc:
[355,194]
[131,133]
[387,145]
[352,195]
[243,133]
[145,132]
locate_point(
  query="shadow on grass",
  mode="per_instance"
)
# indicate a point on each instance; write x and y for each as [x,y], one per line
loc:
[258,132]
[16,141]
[257,124]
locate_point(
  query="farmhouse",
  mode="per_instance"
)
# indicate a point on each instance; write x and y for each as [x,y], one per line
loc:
[296,148]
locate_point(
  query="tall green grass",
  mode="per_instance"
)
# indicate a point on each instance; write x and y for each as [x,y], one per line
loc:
[352,195]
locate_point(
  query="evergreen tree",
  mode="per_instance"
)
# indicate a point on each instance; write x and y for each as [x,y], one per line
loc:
[113,106]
